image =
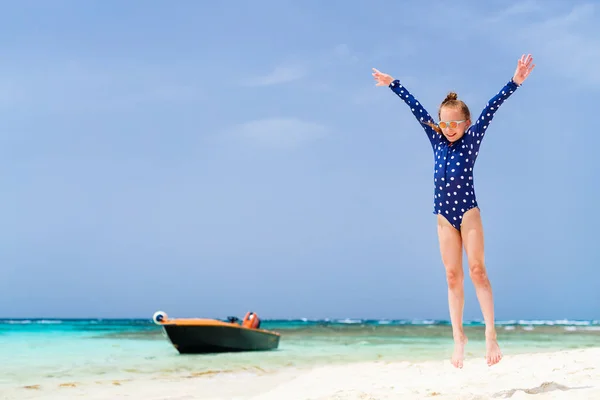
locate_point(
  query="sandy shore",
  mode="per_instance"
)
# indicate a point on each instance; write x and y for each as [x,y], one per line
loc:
[568,375]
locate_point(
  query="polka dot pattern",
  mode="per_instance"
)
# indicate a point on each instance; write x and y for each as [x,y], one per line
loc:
[454,191]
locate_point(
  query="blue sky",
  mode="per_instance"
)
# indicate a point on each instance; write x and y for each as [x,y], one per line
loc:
[208,158]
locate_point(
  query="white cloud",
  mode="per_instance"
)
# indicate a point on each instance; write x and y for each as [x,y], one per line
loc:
[280,133]
[77,86]
[517,9]
[343,53]
[340,54]
[280,74]
[567,44]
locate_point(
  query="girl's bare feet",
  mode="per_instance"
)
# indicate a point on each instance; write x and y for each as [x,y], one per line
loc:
[493,355]
[460,341]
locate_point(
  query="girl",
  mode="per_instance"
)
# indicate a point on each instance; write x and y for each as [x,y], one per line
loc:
[455,143]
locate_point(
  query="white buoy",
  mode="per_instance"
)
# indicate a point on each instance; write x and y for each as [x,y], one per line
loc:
[159,317]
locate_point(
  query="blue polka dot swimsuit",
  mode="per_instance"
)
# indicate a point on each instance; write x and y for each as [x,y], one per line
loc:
[454,193]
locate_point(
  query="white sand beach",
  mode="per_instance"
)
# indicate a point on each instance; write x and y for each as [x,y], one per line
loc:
[573,374]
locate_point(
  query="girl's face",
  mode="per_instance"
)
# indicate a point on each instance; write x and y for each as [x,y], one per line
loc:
[453,123]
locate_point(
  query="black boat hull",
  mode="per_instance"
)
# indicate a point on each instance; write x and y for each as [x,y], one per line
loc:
[201,339]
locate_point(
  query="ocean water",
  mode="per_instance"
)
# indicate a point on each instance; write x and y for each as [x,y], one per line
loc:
[37,352]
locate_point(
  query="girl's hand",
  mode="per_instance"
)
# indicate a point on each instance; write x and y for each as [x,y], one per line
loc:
[381,78]
[524,68]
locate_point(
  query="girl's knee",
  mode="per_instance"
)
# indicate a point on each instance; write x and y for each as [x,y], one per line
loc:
[477,272]
[454,277]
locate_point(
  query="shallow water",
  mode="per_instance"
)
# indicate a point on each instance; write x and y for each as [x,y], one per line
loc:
[34,352]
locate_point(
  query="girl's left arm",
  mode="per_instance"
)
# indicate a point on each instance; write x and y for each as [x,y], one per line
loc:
[524,67]
[477,131]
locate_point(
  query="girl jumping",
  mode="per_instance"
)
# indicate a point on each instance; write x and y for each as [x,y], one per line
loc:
[455,142]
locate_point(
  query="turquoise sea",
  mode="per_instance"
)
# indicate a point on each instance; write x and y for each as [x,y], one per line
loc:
[35,352]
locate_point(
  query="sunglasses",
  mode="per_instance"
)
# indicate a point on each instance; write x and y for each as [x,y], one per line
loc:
[451,124]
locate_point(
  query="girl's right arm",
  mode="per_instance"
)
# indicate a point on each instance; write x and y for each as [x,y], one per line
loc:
[417,110]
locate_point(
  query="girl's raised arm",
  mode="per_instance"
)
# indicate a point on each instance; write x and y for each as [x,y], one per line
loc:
[416,107]
[524,68]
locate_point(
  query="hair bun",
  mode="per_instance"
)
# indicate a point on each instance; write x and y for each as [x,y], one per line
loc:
[451,96]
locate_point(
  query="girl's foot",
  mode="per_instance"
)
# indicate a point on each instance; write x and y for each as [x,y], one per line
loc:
[493,354]
[460,341]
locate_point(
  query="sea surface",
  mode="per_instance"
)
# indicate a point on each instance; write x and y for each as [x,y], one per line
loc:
[34,353]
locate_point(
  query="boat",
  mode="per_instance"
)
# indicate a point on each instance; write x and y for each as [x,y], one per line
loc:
[206,335]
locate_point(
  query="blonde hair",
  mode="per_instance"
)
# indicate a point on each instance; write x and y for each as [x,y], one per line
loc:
[451,100]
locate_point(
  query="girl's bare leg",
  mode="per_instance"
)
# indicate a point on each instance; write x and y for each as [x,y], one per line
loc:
[472,236]
[451,251]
